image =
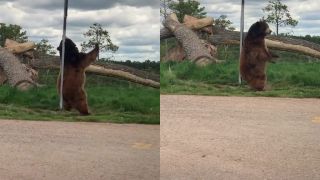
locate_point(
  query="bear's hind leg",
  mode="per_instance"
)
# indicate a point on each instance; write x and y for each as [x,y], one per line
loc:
[67,106]
[82,106]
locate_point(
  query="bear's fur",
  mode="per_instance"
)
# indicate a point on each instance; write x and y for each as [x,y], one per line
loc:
[74,95]
[255,55]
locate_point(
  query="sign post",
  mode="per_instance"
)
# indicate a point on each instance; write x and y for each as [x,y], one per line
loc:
[241,34]
[63,51]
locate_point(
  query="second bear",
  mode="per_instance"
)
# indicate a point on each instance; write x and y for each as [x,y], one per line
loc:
[255,55]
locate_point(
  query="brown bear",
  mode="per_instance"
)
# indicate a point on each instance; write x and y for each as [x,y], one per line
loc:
[255,55]
[74,95]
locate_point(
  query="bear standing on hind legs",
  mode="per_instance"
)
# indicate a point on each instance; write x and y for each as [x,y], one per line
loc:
[255,55]
[74,95]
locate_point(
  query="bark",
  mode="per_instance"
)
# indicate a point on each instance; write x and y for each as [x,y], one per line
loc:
[17,73]
[273,42]
[175,54]
[192,45]
[18,48]
[3,77]
[114,70]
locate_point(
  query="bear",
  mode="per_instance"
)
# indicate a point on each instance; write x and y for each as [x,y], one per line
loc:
[74,77]
[255,55]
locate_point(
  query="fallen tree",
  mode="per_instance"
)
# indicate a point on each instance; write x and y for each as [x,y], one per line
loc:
[114,70]
[18,64]
[17,74]
[195,50]
[220,37]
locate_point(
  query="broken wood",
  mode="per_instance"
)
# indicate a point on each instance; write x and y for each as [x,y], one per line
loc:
[221,37]
[17,48]
[192,45]
[195,23]
[17,73]
[190,22]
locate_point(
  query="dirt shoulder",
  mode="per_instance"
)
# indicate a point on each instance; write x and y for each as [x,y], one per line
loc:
[205,137]
[70,150]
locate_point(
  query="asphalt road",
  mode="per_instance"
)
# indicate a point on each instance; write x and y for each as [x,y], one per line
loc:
[78,151]
[235,138]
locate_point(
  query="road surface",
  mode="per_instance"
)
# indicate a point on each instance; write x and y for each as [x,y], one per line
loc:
[78,151]
[235,138]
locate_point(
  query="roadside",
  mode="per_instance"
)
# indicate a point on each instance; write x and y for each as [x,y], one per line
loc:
[78,150]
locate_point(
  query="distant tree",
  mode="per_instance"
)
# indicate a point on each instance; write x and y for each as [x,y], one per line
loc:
[279,15]
[164,8]
[224,23]
[13,32]
[44,48]
[100,36]
[187,7]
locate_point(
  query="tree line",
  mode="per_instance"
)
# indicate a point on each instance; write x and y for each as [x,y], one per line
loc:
[95,35]
[276,13]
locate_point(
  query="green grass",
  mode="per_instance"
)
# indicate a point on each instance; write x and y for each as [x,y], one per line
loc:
[293,75]
[109,99]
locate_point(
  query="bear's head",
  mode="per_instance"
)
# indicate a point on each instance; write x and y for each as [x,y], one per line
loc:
[259,30]
[71,52]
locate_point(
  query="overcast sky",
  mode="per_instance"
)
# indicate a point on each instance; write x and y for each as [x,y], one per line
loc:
[307,12]
[133,24]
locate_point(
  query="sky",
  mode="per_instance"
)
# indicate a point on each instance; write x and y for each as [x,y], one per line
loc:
[307,12]
[133,25]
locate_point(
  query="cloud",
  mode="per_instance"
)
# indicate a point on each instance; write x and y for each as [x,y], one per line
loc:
[82,4]
[305,11]
[132,25]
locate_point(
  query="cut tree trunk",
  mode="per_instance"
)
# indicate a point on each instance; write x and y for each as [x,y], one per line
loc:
[17,73]
[3,76]
[175,54]
[220,37]
[192,45]
[18,48]
[114,70]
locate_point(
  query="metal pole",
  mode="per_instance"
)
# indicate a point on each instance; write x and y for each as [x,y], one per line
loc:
[241,34]
[63,51]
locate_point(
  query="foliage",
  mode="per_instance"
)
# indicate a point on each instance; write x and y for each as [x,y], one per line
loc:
[44,48]
[13,32]
[293,75]
[279,15]
[164,8]
[100,36]
[314,39]
[149,66]
[187,7]
[224,23]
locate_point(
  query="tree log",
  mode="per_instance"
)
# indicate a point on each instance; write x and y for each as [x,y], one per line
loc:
[195,23]
[17,73]
[192,23]
[114,70]
[192,45]
[220,37]
[18,48]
